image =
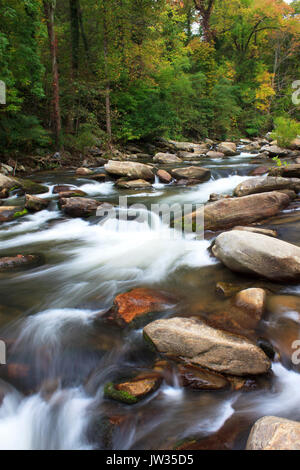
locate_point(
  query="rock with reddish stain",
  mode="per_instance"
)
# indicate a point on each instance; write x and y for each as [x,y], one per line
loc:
[137,303]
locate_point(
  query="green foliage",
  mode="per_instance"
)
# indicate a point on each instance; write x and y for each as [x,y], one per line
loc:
[286,130]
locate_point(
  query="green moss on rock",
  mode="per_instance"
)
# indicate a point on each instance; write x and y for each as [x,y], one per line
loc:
[121,396]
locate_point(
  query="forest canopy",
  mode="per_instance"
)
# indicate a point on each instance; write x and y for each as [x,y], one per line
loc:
[86,72]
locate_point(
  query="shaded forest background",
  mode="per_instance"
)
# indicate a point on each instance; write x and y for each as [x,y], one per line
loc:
[91,72]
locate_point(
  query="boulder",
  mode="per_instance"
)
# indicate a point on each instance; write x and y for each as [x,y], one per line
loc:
[30,187]
[164,176]
[188,146]
[262,231]
[195,343]
[133,391]
[290,171]
[9,263]
[72,193]
[8,213]
[229,212]
[252,300]
[79,206]
[133,184]
[6,182]
[228,148]
[272,433]
[253,253]
[130,170]
[61,188]
[35,204]
[213,154]
[189,156]
[138,302]
[84,172]
[295,144]
[263,184]
[275,151]
[166,158]
[192,172]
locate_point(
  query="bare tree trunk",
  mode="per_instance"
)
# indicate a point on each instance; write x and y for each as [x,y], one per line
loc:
[107,78]
[49,9]
[205,8]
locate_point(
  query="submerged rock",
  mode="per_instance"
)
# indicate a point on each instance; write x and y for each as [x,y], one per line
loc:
[35,204]
[201,379]
[252,300]
[272,433]
[138,302]
[72,193]
[9,263]
[262,231]
[131,170]
[9,213]
[252,253]
[84,172]
[133,391]
[266,184]
[195,343]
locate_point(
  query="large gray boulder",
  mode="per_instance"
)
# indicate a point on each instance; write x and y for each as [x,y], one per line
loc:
[272,433]
[228,148]
[252,253]
[262,184]
[131,170]
[193,342]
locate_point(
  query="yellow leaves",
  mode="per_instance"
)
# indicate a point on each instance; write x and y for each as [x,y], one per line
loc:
[265,91]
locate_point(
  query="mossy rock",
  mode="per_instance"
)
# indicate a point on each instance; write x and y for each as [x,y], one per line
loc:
[121,396]
[20,213]
[30,187]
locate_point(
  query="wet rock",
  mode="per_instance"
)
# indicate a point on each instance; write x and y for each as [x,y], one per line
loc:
[130,170]
[61,188]
[188,156]
[133,391]
[80,207]
[253,301]
[30,187]
[230,212]
[4,193]
[138,302]
[262,231]
[133,184]
[195,343]
[275,151]
[164,176]
[187,146]
[252,147]
[9,213]
[191,172]
[188,182]
[166,158]
[9,263]
[226,289]
[228,148]
[252,253]
[261,184]
[259,171]
[72,193]
[6,182]
[272,433]
[101,177]
[290,171]
[35,204]
[201,379]
[84,172]
[213,154]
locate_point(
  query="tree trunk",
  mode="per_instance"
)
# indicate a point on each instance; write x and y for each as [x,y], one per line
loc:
[107,78]
[205,8]
[75,35]
[49,9]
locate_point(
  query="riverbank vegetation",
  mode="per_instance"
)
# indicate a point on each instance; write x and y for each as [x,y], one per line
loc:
[95,72]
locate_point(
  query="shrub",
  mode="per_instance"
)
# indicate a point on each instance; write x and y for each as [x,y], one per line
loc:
[286,130]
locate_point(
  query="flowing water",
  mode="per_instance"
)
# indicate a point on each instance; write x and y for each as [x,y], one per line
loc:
[61,352]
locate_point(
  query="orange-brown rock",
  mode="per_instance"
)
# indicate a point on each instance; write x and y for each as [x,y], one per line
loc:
[201,379]
[137,302]
[272,433]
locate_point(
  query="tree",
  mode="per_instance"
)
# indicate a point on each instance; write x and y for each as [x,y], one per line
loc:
[49,9]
